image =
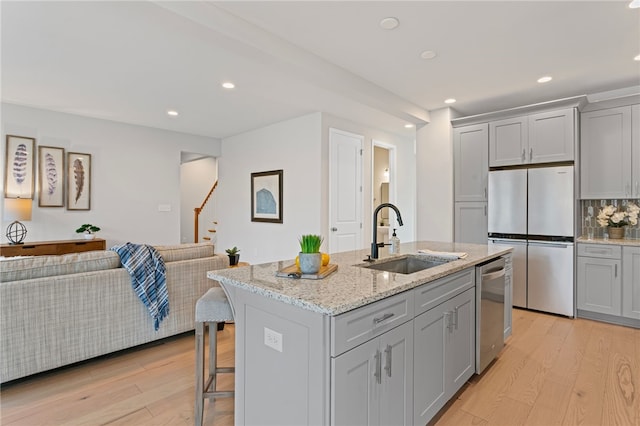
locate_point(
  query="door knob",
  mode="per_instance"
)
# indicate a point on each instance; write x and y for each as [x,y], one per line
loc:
[334,229]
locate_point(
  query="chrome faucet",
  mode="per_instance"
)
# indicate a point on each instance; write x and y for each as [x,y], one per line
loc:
[374,244]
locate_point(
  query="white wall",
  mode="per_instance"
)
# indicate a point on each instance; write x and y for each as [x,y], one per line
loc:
[196,179]
[134,170]
[293,146]
[435,178]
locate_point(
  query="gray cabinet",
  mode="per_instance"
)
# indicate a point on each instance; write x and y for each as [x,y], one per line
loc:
[609,153]
[372,383]
[599,279]
[544,137]
[470,222]
[444,355]
[631,282]
[471,162]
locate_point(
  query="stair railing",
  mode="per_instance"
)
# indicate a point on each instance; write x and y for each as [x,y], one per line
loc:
[197,211]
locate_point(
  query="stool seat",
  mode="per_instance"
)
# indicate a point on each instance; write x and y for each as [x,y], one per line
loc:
[212,308]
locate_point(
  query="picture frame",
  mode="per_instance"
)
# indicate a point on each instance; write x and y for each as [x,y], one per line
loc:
[51,172]
[19,181]
[266,196]
[78,181]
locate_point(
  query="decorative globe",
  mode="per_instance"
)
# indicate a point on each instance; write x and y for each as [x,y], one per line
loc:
[16,232]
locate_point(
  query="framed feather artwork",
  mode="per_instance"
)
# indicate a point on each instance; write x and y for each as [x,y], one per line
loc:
[78,181]
[19,181]
[51,173]
[266,196]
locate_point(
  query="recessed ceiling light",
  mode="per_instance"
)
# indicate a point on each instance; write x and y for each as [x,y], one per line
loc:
[544,79]
[408,126]
[450,101]
[637,58]
[228,85]
[389,23]
[428,54]
[172,113]
[634,4]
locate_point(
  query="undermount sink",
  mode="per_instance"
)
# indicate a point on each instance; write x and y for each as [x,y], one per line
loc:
[406,265]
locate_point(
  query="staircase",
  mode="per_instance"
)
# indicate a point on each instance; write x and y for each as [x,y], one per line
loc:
[196,226]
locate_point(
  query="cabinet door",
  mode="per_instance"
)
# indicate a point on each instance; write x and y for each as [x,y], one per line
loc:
[461,342]
[605,145]
[355,389]
[635,149]
[508,298]
[471,162]
[396,396]
[471,224]
[508,142]
[631,282]
[599,285]
[429,363]
[551,136]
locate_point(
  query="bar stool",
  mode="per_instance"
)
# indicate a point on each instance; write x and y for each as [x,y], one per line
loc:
[211,309]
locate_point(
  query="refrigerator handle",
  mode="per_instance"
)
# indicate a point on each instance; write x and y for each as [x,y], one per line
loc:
[556,245]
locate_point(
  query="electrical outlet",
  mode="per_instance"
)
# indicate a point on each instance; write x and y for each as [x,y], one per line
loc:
[273,339]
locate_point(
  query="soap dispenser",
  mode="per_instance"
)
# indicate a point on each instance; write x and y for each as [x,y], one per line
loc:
[395,243]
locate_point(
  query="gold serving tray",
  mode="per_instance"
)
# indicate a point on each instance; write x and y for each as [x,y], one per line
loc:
[294,272]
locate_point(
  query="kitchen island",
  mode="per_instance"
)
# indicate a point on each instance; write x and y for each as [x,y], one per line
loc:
[360,346]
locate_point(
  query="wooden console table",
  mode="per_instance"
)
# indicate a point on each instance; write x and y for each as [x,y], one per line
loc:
[42,248]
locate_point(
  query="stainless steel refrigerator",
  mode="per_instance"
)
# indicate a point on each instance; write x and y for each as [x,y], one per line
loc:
[532,210]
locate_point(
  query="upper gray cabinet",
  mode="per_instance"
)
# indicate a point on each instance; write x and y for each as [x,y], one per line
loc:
[471,158]
[544,137]
[610,153]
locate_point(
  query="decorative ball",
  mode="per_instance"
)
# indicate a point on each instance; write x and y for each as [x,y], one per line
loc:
[16,232]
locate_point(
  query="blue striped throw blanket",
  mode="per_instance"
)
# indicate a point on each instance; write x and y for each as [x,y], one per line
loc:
[148,278]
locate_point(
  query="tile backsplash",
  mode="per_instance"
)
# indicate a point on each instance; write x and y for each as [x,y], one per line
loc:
[589,210]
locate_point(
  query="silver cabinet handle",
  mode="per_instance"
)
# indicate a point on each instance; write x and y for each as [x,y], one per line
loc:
[485,210]
[524,155]
[378,371]
[455,318]
[447,318]
[383,318]
[485,191]
[616,271]
[530,154]
[387,364]
[637,189]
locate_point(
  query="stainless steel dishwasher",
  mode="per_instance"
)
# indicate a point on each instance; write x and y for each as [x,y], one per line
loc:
[490,283]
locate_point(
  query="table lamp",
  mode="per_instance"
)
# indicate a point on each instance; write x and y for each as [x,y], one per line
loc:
[17,209]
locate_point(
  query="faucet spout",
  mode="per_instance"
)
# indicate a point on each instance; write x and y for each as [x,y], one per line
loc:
[374,244]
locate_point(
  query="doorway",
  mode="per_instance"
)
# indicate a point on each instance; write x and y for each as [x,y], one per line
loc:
[383,189]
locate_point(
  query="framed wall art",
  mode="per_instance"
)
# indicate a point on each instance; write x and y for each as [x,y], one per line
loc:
[51,172]
[19,163]
[266,196]
[78,181]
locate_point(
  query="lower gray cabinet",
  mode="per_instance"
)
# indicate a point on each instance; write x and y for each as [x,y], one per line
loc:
[599,279]
[444,354]
[470,222]
[631,282]
[372,384]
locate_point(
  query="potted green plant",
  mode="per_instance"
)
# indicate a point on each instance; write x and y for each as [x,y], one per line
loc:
[89,231]
[234,257]
[310,258]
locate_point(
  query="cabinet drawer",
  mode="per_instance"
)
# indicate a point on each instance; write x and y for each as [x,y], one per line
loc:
[356,327]
[80,246]
[432,294]
[604,251]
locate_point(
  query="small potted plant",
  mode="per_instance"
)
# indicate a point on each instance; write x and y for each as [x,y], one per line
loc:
[89,231]
[234,257]
[310,257]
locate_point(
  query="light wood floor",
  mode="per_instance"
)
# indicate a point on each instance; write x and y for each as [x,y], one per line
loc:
[553,371]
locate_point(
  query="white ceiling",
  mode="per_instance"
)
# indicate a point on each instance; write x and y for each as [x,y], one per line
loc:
[132,61]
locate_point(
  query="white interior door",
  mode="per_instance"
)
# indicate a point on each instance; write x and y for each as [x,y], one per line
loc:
[345,196]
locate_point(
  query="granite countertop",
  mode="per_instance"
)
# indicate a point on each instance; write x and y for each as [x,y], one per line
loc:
[351,286]
[622,242]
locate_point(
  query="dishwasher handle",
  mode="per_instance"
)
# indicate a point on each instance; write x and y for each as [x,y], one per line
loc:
[490,276]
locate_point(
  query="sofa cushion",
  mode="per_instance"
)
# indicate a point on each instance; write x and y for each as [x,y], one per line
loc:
[174,253]
[24,268]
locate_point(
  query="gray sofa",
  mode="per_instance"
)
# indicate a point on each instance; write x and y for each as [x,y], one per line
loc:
[57,310]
